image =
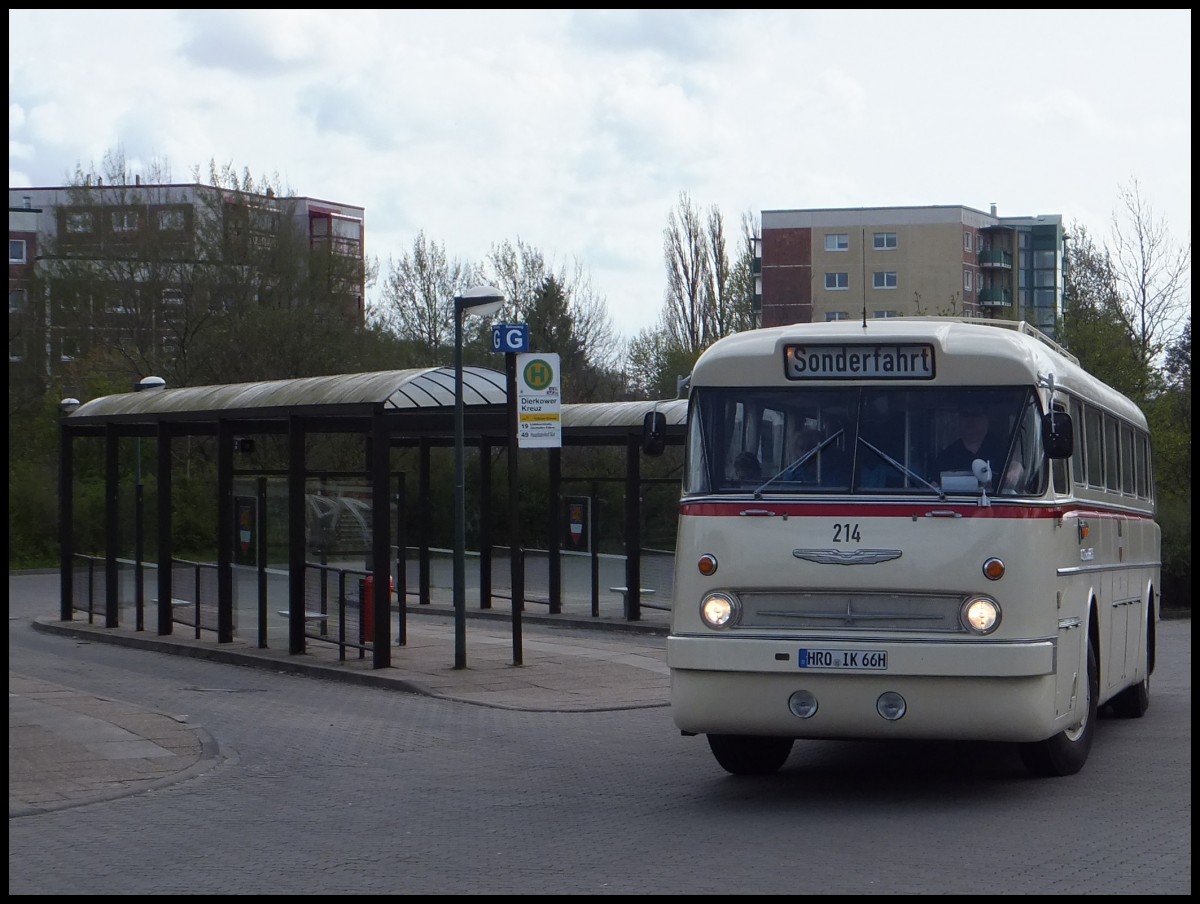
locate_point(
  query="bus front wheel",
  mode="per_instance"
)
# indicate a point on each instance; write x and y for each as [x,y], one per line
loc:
[1066,752]
[749,754]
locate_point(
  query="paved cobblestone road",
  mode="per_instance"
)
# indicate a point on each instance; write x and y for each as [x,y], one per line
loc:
[318,787]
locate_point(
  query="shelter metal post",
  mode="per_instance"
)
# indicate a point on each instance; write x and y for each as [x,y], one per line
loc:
[381,653]
[166,548]
[296,524]
[112,526]
[66,521]
[226,531]
[633,529]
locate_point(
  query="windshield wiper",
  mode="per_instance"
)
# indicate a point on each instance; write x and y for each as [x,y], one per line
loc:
[803,459]
[902,469]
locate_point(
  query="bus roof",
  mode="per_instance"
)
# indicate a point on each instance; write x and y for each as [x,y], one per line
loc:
[967,351]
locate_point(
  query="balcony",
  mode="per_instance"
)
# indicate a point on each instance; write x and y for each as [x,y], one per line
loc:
[996,259]
[995,298]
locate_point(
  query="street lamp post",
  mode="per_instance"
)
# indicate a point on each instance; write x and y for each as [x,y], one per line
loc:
[142,385]
[484,301]
[66,512]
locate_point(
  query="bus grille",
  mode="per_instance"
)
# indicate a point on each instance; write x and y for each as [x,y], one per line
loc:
[855,611]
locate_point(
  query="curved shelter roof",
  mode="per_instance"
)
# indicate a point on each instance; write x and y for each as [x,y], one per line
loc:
[426,387]
[428,390]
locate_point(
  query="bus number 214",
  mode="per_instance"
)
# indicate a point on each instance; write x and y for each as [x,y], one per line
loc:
[846,533]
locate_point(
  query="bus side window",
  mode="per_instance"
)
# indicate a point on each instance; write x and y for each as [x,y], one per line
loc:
[1112,458]
[1077,457]
[1094,447]
[1127,486]
[1143,463]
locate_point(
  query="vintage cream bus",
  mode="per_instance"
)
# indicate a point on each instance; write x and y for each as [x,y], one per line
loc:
[935,528]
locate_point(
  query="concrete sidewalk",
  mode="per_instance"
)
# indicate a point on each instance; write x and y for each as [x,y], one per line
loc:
[68,747]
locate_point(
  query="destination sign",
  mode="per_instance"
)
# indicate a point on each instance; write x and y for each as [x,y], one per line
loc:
[858,362]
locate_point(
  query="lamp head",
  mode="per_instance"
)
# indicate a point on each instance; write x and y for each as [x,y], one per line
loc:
[146,384]
[481,300]
[68,406]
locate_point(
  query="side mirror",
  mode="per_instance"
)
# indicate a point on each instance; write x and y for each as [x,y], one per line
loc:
[654,433]
[1058,434]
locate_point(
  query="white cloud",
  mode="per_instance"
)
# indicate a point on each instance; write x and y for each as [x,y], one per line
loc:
[576,130]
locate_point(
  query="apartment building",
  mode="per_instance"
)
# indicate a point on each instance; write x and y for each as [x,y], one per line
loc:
[149,242]
[845,263]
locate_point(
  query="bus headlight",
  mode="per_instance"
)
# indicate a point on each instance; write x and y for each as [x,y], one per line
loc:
[980,615]
[720,610]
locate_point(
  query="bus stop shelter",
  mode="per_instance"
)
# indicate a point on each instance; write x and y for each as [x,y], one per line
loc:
[385,410]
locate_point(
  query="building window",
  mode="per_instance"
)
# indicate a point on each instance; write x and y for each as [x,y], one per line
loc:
[27,201]
[1044,298]
[885,279]
[966,241]
[124,220]
[885,241]
[16,251]
[835,315]
[979,242]
[886,314]
[18,300]
[837,281]
[79,222]
[170,220]
[837,241]
[967,281]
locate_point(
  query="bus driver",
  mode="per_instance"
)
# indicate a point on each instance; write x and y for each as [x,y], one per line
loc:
[976,440]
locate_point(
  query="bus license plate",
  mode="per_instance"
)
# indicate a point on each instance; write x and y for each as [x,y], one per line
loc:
[863,660]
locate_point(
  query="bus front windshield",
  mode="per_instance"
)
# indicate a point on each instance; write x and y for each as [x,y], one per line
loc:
[865,441]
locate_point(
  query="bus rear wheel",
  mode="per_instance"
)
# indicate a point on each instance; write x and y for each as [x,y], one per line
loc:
[749,754]
[1132,702]
[1066,752]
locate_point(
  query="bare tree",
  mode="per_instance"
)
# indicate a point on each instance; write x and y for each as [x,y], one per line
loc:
[743,278]
[1152,272]
[686,316]
[719,304]
[535,290]
[417,300]
[707,296]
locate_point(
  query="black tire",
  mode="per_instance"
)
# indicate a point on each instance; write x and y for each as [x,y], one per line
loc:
[749,754]
[1066,752]
[1132,702]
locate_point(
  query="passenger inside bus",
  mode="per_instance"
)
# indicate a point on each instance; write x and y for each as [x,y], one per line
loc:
[828,467]
[746,466]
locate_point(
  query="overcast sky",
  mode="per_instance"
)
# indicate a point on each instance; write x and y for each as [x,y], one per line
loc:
[576,131]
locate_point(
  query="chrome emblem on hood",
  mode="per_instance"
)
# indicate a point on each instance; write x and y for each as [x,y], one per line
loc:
[849,557]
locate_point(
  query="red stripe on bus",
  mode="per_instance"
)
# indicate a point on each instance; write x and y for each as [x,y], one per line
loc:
[886,510]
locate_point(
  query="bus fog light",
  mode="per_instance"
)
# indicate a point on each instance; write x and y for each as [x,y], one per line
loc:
[802,704]
[891,706]
[720,610]
[980,615]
